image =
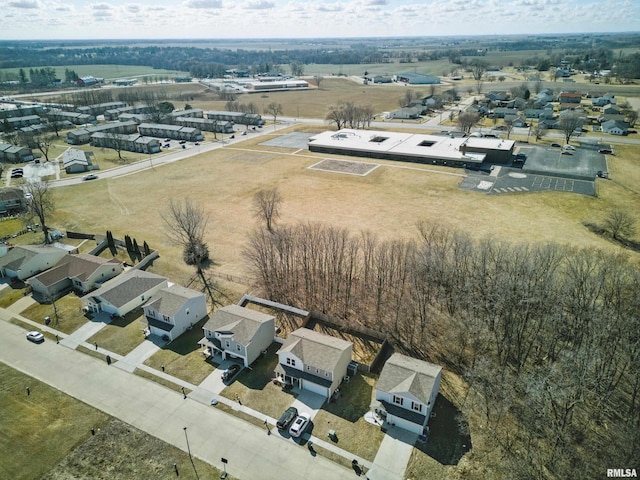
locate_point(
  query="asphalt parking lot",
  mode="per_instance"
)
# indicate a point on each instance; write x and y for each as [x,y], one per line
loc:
[583,163]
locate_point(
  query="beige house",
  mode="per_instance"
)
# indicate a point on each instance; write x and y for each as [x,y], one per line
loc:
[313,361]
[173,310]
[406,392]
[238,332]
[80,272]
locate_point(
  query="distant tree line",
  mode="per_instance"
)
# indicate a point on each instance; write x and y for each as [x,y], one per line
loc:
[545,337]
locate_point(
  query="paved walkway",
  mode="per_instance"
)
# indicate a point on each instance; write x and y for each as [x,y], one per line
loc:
[21,304]
[139,354]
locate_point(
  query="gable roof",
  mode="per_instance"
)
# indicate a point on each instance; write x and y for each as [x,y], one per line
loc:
[240,322]
[314,348]
[18,256]
[121,290]
[614,124]
[80,266]
[402,374]
[170,300]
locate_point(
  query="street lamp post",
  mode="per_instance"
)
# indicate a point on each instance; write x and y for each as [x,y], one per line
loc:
[189,451]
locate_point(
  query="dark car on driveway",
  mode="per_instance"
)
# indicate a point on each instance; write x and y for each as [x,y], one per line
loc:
[230,372]
[287,417]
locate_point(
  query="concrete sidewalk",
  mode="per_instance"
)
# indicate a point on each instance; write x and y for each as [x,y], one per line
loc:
[164,413]
[139,354]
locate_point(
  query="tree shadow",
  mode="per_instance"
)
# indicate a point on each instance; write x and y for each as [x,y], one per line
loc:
[449,438]
[188,341]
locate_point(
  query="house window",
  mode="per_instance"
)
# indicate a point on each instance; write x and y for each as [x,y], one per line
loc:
[397,400]
[228,343]
[151,314]
[416,406]
[291,361]
[166,319]
[238,347]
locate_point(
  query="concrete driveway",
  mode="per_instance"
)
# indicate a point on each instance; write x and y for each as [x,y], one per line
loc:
[393,455]
[309,402]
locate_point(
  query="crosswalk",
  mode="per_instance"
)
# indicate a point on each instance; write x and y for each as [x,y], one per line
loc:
[510,190]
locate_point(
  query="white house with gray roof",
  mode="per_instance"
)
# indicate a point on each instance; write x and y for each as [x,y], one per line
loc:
[173,310]
[124,293]
[313,361]
[238,332]
[406,392]
[27,260]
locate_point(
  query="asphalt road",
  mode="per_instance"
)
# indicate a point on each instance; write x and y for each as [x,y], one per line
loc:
[164,413]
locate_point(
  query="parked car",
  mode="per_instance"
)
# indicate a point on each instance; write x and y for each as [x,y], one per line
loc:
[286,418]
[299,425]
[91,176]
[556,145]
[35,336]
[230,372]
[567,152]
[569,147]
[606,151]
[182,142]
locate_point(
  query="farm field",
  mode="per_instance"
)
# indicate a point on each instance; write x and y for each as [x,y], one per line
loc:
[108,72]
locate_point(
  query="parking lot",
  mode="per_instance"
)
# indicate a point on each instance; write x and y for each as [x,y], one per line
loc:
[583,163]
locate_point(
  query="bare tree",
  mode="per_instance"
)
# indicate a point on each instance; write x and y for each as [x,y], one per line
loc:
[467,120]
[336,115]
[540,130]
[318,79]
[568,124]
[620,224]
[186,223]
[478,70]
[408,98]
[41,140]
[266,206]
[509,127]
[40,204]
[274,109]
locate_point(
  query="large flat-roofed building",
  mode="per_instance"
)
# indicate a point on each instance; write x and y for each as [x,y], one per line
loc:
[417,148]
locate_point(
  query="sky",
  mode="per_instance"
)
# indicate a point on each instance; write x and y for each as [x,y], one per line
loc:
[220,19]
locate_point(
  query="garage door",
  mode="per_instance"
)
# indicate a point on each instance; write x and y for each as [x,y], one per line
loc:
[315,388]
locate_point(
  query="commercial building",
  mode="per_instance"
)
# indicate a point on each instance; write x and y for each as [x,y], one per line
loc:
[417,148]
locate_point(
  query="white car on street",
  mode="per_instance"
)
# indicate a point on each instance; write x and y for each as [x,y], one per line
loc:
[35,336]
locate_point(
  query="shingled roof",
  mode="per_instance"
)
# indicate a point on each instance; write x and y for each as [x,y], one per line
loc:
[18,256]
[121,290]
[314,348]
[402,374]
[240,322]
[80,266]
[170,300]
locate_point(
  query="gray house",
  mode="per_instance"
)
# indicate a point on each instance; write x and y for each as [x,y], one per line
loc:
[238,332]
[77,161]
[406,392]
[124,293]
[28,260]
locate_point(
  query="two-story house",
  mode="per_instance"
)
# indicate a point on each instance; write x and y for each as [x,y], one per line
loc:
[173,310]
[81,272]
[238,332]
[313,361]
[124,293]
[406,392]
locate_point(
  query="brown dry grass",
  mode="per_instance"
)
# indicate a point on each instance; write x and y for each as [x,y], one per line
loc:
[389,201]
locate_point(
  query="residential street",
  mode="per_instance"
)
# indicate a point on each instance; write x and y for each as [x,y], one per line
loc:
[163,413]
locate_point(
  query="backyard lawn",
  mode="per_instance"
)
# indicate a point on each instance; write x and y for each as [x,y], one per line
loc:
[183,357]
[9,295]
[122,335]
[69,313]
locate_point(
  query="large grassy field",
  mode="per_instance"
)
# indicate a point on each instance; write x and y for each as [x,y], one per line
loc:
[47,435]
[108,72]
